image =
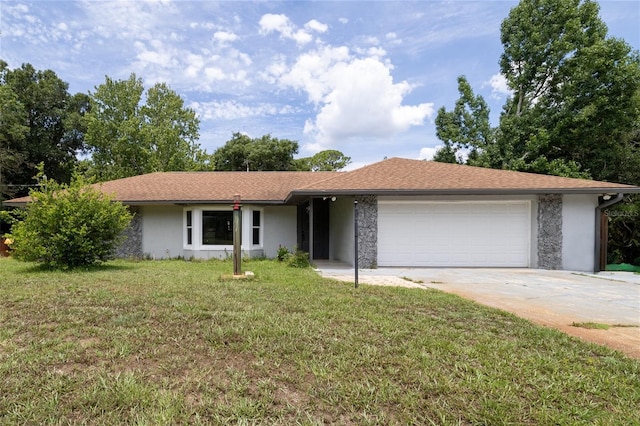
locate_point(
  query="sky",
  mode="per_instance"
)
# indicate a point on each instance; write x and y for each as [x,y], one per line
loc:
[363,77]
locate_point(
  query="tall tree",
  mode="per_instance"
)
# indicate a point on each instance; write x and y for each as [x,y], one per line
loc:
[265,153]
[171,129]
[466,127]
[327,160]
[13,132]
[128,138]
[39,124]
[575,91]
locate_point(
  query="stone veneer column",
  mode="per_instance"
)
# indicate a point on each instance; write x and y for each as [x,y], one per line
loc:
[550,231]
[131,246]
[367,231]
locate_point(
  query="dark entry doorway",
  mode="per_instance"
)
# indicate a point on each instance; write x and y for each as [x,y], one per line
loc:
[303,226]
[319,227]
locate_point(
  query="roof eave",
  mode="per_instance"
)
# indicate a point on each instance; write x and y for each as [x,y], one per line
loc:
[196,202]
[168,202]
[480,191]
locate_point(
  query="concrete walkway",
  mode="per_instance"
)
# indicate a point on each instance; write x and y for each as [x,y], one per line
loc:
[553,298]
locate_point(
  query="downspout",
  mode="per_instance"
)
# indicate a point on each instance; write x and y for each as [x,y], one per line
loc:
[599,208]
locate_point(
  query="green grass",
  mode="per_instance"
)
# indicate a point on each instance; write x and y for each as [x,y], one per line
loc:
[601,326]
[591,325]
[170,342]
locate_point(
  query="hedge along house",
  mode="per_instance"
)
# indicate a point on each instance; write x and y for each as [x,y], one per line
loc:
[410,213]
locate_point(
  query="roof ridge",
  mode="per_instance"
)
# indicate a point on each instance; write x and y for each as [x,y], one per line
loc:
[340,175]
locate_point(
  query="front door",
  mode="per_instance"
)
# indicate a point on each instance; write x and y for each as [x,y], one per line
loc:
[320,228]
[303,226]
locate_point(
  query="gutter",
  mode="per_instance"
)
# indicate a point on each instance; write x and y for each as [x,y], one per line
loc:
[599,208]
[459,191]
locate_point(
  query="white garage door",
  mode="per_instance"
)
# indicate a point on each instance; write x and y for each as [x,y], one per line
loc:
[461,234]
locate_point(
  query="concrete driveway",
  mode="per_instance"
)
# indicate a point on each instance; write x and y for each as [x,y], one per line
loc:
[551,298]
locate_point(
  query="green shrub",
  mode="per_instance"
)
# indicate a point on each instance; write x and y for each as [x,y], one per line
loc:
[68,226]
[283,253]
[298,259]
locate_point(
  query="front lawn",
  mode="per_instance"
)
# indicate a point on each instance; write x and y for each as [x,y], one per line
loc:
[171,342]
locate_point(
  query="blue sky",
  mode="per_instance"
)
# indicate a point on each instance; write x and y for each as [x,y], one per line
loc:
[366,78]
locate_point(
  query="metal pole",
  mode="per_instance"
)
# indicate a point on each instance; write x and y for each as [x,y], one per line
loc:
[355,242]
[237,236]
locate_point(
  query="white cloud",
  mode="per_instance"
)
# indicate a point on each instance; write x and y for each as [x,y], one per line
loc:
[224,36]
[125,20]
[392,38]
[195,63]
[203,69]
[376,52]
[278,23]
[282,24]
[499,87]
[371,40]
[155,58]
[214,73]
[311,71]
[316,26]
[232,110]
[427,153]
[356,97]
[343,20]
[302,37]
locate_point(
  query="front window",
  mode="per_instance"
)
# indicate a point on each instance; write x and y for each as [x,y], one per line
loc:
[217,228]
[256,228]
[189,227]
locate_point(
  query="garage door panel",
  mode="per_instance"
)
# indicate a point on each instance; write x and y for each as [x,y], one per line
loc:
[454,234]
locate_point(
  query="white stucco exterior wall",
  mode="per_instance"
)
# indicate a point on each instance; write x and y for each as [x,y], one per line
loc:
[578,232]
[162,231]
[341,242]
[279,229]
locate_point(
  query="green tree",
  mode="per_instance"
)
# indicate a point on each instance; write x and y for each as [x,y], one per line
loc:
[466,127]
[264,153]
[575,91]
[39,124]
[68,226]
[576,104]
[13,132]
[327,160]
[448,154]
[128,138]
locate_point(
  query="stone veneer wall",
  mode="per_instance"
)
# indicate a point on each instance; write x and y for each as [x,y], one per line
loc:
[131,247]
[550,231]
[367,231]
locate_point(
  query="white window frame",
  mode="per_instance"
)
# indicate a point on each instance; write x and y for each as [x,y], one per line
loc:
[196,225]
[186,227]
[259,227]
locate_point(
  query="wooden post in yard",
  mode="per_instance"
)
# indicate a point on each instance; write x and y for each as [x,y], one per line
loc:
[237,235]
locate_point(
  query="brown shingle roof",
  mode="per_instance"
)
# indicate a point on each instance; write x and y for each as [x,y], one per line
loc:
[205,187]
[402,175]
[193,187]
[392,176]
